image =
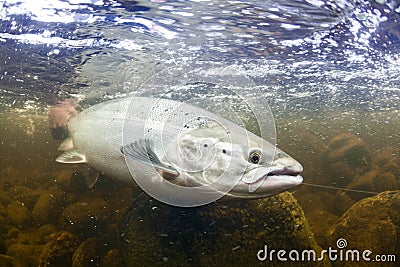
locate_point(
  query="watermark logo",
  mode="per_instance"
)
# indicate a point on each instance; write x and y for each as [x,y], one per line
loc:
[341,243]
[340,253]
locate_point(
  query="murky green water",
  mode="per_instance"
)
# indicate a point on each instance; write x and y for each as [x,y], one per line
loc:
[40,198]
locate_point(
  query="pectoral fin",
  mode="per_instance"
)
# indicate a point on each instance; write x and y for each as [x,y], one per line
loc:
[142,152]
[71,156]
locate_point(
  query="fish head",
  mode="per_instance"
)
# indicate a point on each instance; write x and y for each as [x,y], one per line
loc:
[268,172]
[234,161]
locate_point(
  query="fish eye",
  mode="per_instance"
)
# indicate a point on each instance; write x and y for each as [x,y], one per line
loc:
[255,156]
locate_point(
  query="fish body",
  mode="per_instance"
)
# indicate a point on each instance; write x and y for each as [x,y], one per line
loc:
[159,139]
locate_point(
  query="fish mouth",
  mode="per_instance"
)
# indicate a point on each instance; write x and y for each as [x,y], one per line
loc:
[267,180]
[261,182]
[285,171]
[274,172]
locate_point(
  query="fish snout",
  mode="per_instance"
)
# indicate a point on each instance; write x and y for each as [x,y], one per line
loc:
[295,168]
[290,166]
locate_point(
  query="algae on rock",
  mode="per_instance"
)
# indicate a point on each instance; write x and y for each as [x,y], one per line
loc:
[372,224]
[219,234]
[59,250]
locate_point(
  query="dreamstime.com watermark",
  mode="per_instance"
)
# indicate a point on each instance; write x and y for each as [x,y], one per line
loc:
[332,254]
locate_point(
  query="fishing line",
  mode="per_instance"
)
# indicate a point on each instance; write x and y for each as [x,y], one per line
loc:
[344,189]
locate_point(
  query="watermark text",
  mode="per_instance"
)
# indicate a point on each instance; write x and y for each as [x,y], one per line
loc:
[333,254]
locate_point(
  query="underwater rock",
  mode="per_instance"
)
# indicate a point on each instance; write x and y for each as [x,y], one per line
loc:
[319,205]
[5,198]
[385,182]
[371,224]
[8,261]
[88,253]
[388,159]
[18,214]
[342,202]
[19,190]
[118,195]
[372,181]
[335,202]
[218,234]
[393,168]
[88,214]
[26,255]
[346,157]
[46,231]
[46,208]
[63,179]
[317,200]
[35,236]
[3,247]
[113,258]
[320,227]
[29,199]
[3,225]
[27,238]
[365,182]
[3,210]
[59,250]
[76,182]
[13,232]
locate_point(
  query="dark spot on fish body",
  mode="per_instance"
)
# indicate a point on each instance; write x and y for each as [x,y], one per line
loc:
[224,151]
